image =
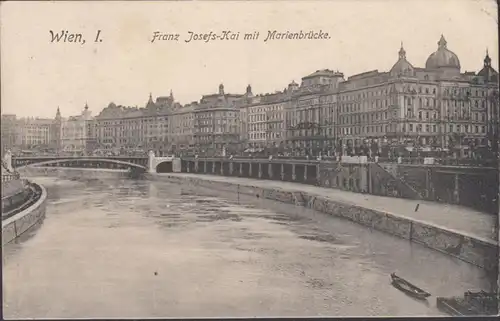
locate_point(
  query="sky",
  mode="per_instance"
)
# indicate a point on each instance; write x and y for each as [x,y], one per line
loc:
[38,75]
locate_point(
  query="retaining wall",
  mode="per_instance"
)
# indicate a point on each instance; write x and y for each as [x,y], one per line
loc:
[11,188]
[16,225]
[471,249]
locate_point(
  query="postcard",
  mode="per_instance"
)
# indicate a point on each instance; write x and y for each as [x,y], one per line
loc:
[184,159]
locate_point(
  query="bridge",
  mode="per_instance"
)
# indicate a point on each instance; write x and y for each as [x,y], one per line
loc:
[475,187]
[114,162]
[149,163]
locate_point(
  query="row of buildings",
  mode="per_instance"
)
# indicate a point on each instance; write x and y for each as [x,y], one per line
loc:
[436,107]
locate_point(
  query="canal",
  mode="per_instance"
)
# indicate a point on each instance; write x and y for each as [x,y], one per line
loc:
[135,249]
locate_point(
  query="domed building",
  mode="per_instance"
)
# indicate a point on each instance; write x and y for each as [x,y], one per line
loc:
[402,67]
[488,74]
[434,108]
[444,60]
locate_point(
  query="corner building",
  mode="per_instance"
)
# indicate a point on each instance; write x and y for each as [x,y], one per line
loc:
[262,119]
[311,114]
[216,123]
[122,129]
[436,107]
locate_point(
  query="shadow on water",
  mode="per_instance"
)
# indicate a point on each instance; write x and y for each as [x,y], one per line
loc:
[423,302]
[219,217]
[326,238]
[282,218]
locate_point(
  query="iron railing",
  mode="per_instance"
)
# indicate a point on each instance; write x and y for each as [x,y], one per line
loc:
[6,177]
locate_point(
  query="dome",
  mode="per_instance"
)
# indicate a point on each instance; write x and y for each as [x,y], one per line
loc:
[442,57]
[402,66]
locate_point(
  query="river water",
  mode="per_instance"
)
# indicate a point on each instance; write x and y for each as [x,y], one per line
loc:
[136,249]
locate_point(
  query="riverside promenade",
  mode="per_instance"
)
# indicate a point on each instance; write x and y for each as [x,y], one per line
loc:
[459,219]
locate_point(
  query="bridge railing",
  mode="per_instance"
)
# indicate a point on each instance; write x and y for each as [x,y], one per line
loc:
[6,177]
[405,160]
[76,157]
[257,159]
[442,161]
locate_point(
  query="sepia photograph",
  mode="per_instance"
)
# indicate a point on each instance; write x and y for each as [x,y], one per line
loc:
[250,159]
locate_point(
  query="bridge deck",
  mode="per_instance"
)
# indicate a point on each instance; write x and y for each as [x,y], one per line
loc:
[452,217]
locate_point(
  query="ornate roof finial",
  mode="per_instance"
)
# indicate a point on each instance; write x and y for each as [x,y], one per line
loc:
[442,42]
[171,94]
[402,52]
[487,59]
[86,106]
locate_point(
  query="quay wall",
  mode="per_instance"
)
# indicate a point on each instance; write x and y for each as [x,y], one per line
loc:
[14,193]
[16,225]
[11,188]
[468,248]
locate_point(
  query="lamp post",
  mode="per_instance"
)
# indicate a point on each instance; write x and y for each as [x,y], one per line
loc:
[493,122]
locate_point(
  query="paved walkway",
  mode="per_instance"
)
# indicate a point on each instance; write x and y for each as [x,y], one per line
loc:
[461,219]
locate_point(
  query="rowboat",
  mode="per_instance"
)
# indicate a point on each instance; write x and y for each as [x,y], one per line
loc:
[408,288]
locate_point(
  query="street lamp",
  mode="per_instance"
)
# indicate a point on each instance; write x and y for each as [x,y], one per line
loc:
[493,123]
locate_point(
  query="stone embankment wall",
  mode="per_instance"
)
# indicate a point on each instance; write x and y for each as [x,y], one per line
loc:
[14,194]
[16,225]
[474,250]
[11,188]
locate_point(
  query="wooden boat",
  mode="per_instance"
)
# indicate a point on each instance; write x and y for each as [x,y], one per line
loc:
[408,288]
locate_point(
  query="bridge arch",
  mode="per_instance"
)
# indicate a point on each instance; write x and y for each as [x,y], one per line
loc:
[84,160]
[165,167]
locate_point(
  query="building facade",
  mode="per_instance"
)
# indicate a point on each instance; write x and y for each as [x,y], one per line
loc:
[181,129]
[34,133]
[74,132]
[262,121]
[9,130]
[405,109]
[216,123]
[431,108]
[311,114]
[120,129]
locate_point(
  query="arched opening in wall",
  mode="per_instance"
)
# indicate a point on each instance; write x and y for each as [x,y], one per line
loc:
[165,167]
